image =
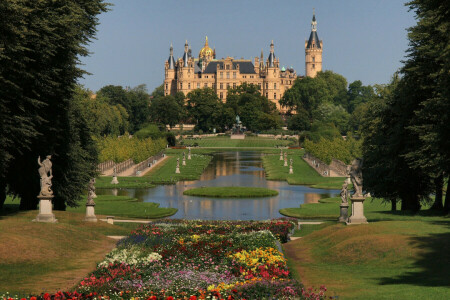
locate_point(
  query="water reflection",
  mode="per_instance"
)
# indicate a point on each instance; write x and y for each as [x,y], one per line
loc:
[229,169]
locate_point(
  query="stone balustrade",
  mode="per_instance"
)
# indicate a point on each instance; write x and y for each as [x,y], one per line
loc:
[105,166]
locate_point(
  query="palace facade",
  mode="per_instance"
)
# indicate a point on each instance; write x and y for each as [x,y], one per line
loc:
[188,73]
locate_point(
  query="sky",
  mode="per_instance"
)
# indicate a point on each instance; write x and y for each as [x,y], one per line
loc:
[362,39]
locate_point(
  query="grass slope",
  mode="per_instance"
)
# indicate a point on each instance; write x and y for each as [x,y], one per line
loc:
[380,260]
[231,192]
[37,257]
[125,207]
[303,173]
[165,173]
[104,182]
[227,142]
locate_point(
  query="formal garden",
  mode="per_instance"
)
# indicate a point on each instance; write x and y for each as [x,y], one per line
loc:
[338,190]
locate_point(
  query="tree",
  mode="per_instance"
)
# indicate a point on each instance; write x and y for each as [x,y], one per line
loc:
[136,101]
[204,107]
[330,113]
[40,46]
[166,110]
[358,94]
[256,111]
[387,174]
[299,121]
[427,86]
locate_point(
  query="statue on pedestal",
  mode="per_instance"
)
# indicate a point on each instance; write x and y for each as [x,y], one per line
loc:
[45,171]
[91,192]
[344,193]
[356,177]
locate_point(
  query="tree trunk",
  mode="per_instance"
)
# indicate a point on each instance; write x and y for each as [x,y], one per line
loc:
[394,205]
[439,184]
[447,202]
[2,194]
[410,202]
[28,200]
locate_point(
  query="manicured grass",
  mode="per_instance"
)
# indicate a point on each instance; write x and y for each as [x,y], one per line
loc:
[164,173]
[407,259]
[306,229]
[303,173]
[231,192]
[37,257]
[125,207]
[374,210]
[247,142]
[104,182]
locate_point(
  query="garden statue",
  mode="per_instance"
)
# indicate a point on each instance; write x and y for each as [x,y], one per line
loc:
[281,154]
[91,192]
[45,171]
[357,198]
[291,170]
[184,158]
[177,170]
[114,180]
[285,159]
[90,210]
[46,194]
[189,153]
[356,177]
[344,203]
[344,193]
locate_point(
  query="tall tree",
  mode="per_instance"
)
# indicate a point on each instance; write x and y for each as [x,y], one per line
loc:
[427,85]
[40,46]
[204,107]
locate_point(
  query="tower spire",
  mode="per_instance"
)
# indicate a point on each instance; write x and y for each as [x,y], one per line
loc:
[271,55]
[314,22]
[186,55]
[206,41]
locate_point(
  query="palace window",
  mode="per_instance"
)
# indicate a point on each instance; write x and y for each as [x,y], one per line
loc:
[221,95]
[267,85]
[314,66]
[275,96]
[189,86]
[259,84]
[314,59]
[267,95]
[234,85]
[198,85]
[228,67]
[213,85]
[221,74]
[181,85]
[221,86]
[234,75]
[167,86]
[206,85]
[281,81]
[228,86]
[274,86]
[228,75]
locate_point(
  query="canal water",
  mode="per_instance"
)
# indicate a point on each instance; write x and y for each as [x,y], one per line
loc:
[230,168]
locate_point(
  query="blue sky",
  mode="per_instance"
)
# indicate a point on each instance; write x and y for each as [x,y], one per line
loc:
[363,39]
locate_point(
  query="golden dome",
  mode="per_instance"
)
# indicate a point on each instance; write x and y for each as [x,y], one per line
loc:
[206,51]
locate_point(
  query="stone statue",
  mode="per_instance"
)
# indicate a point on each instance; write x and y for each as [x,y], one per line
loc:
[356,177]
[45,171]
[344,193]
[238,119]
[91,192]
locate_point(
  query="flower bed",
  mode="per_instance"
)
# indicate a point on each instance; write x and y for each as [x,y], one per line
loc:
[181,259]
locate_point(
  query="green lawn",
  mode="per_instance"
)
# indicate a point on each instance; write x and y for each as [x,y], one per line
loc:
[42,257]
[230,192]
[381,260]
[303,173]
[104,182]
[227,142]
[126,207]
[165,173]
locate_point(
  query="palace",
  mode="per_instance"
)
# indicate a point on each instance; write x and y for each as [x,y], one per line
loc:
[188,73]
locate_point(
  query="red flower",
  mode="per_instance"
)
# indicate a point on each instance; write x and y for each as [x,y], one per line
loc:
[169,298]
[31,298]
[193,298]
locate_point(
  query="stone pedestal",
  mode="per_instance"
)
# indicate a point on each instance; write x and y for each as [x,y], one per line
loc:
[114,180]
[90,214]
[344,212]
[285,163]
[177,170]
[184,162]
[291,171]
[45,210]
[281,156]
[357,216]
[189,156]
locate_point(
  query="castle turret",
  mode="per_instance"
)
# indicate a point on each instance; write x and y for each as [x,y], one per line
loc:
[186,54]
[170,74]
[313,51]
[271,58]
[171,60]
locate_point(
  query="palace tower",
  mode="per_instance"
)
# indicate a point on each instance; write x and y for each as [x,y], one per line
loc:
[313,51]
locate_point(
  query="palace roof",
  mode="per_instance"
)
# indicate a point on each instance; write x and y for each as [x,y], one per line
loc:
[245,67]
